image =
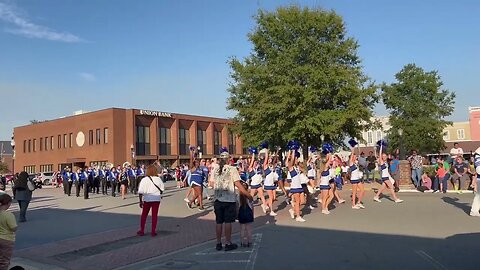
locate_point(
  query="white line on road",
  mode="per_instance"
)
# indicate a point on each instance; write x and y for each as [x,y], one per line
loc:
[431,260]
[226,261]
[253,255]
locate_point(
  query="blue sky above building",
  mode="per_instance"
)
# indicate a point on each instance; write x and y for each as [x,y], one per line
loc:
[59,56]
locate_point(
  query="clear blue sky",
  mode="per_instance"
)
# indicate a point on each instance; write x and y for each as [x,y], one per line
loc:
[58,56]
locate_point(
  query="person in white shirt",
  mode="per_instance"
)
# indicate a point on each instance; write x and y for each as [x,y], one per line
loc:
[150,193]
[455,152]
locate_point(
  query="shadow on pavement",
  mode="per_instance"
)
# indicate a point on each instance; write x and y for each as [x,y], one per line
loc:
[455,202]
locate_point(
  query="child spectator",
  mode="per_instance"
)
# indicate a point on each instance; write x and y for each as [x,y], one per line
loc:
[427,183]
[8,227]
[245,218]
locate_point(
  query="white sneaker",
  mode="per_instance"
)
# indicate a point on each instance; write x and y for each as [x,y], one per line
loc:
[287,200]
[473,214]
[300,219]
[377,199]
[273,214]
[326,212]
[341,201]
[292,213]
[311,207]
[186,200]
[264,208]
[356,207]
[398,201]
[361,206]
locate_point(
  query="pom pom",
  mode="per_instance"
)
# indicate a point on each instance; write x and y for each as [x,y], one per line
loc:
[293,145]
[224,150]
[264,145]
[312,149]
[297,154]
[382,143]
[352,143]
[252,150]
[327,148]
[192,148]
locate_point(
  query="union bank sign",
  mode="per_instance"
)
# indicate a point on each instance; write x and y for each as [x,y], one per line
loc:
[155,113]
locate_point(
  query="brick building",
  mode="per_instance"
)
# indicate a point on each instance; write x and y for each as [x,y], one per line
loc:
[117,135]
[6,155]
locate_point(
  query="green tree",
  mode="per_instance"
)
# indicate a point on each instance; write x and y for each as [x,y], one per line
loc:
[418,104]
[3,168]
[303,79]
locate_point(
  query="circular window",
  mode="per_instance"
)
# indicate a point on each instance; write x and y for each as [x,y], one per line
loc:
[80,139]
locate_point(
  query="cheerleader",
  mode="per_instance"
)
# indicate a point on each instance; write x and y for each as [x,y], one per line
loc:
[326,189]
[311,173]
[387,180]
[475,210]
[358,190]
[296,189]
[256,171]
[305,198]
[197,177]
[269,184]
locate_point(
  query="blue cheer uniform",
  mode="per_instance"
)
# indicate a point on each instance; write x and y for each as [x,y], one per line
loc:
[197,177]
[296,185]
[269,183]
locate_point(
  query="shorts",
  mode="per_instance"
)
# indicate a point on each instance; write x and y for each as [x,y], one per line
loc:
[296,190]
[193,183]
[255,186]
[269,187]
[311,178]
[225,212]
[325,187]
[355,181]
[385,179]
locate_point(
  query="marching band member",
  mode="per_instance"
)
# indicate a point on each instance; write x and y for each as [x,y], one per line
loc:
[113,179]
[102,179]
[83,176]
[132,180]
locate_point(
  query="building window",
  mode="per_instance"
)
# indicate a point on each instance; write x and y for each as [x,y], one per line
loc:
[51,143]
[446,135]
[29,169]
[105,135]
[41,144]
[143,141]
[184,141]
[165,141]
[231,143]
[46,143]
[64,140]
[34,145]
[460,134]
[24,146]
[46,168]
[217,142]
[90,137]
[379,135]
[202,140]
[369,137]
[59,141]
[97,136]
[70,141]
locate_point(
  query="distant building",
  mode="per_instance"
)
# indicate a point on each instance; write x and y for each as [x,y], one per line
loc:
[457,132]
[117,135]
[6,154]
[371,136]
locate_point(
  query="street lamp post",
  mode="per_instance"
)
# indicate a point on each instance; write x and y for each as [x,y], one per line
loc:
[400,142]
[12,143]
[132,148]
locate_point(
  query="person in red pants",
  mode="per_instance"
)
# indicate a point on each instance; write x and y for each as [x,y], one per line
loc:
[150,193]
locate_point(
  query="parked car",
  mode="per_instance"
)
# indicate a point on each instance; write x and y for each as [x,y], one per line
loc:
[46,178]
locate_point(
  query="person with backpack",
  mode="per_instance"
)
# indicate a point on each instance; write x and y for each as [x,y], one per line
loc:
[22,192]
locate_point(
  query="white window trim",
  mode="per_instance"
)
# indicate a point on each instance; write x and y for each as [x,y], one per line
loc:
[446,135]
[462,132]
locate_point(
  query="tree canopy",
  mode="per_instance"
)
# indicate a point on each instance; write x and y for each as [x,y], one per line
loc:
[303,79]
[418,104]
